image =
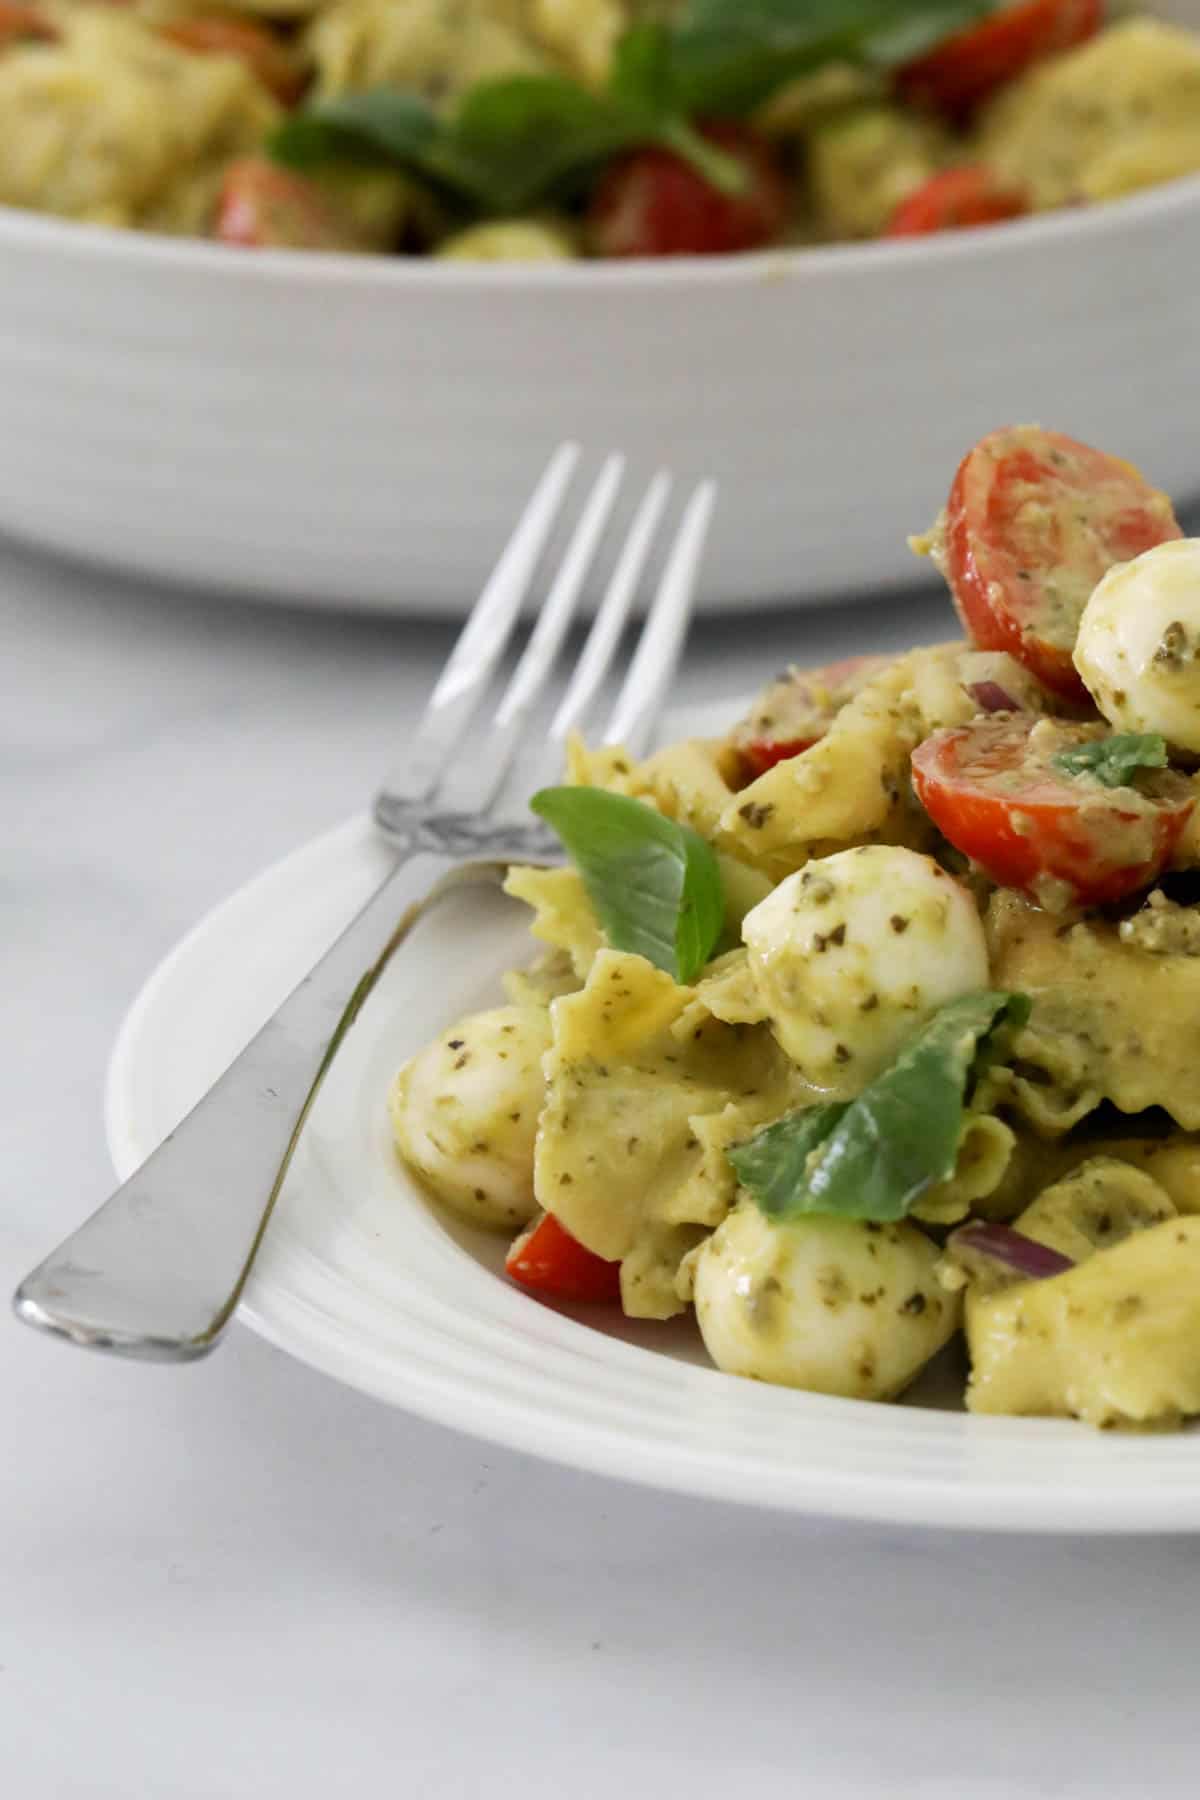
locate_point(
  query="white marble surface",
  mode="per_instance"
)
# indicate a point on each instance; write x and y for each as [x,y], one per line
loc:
[239,1582]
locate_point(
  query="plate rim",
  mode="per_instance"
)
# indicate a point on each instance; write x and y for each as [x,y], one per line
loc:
[933,1502]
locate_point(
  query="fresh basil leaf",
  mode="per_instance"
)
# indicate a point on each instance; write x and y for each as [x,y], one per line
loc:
[536,135]
[540,137]
[773,1164]
[729,56]
[513,143]
[716,166]
[912,30]
[382,125]
[643,75]
[655,885]
[641,69]
[873,1157]
[1114,760]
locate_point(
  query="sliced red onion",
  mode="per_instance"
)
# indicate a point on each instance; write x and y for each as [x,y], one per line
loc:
[1012,1248]
[990,697]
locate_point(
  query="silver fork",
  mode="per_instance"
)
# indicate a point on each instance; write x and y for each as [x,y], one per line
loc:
[157,1271]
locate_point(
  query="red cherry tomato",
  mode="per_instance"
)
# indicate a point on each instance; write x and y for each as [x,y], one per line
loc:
[955,200]
[992,788]
[653,203]
[963,70]
[22,25]
[548,1260]
[1033,521]
[797,710]
[263,207]
[251,44]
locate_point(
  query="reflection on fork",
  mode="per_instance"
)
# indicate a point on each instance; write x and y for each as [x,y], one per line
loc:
[440,794]
[157,1271]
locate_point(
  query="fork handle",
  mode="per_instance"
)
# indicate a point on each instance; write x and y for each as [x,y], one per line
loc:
[157,1271]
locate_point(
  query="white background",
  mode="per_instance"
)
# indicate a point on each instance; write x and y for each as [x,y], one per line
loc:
[237,1581]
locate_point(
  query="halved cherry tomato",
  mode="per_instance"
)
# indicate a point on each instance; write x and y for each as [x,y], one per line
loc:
[1033,521]
[797,710]
[264,207]
[992,788]
[652,203]
[251,44]
[960,72]
[956,200]
[548,1260]
[22,24]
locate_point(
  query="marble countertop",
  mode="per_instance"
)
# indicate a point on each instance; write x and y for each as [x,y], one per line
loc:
[238,1581]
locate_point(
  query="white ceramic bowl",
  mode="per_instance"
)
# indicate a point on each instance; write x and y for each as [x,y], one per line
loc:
[362,430]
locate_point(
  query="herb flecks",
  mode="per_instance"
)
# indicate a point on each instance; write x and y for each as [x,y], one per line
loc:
[1173,647]
[1114,760]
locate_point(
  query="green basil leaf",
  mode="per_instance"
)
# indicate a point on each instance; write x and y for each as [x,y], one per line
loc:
[643,76]
[874,1157]
[641,71]
[383,125]
[728,56]
[714,165]
[912,30]
[488,155]
[1114,760]
[538,135]
[655,885]
[773,1164]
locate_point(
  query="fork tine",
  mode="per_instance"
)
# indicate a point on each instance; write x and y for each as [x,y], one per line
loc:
[477,786]
[482,641]
[612,613]
[657,654]
[555,617]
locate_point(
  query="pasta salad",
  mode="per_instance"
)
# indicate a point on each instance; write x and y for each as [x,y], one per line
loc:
[873,1021]
[545,130]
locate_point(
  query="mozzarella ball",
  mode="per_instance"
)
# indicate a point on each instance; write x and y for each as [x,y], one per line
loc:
[465,1111]
[1138,648]
[836,1306]
[854,952]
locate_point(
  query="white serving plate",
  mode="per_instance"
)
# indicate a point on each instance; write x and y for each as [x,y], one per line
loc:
[362,431]
[360,1276]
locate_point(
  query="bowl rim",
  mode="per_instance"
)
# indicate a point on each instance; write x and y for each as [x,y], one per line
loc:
[205,259]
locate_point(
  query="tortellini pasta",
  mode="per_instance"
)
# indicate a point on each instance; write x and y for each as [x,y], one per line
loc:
[644,1091]
[437,47]
[562,914]
[849,787]
[1115,1339]
[1111,1021]
[981,1165]
[443,47]
[1119,112]
[113,125]
[864,159]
